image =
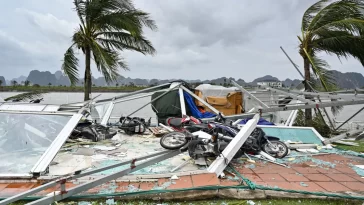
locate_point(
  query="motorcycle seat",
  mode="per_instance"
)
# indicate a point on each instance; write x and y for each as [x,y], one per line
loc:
[175,122]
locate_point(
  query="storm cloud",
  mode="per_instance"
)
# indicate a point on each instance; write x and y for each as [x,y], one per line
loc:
[196,39]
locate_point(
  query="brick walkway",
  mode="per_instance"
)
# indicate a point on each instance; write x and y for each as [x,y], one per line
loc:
[332,173]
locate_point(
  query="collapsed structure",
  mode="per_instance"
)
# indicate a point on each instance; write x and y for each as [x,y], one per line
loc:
[42,131]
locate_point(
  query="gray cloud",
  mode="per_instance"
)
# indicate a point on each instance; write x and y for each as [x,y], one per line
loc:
[196,39]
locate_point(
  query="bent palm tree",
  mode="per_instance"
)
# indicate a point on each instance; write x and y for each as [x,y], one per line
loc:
[335,28]
[106,28]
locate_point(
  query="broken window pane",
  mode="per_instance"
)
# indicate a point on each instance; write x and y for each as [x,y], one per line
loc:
[24,138]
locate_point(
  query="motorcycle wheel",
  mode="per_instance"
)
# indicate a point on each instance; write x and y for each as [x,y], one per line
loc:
[173,140]
[272,151]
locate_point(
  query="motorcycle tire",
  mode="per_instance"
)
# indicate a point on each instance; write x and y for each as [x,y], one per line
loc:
[180,142]
[283,149]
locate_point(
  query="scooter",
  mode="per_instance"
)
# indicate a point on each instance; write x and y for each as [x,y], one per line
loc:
[214,137]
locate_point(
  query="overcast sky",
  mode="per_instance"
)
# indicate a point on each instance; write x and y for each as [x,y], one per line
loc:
[196,39]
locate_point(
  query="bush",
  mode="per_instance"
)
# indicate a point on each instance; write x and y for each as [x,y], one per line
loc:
[316,123]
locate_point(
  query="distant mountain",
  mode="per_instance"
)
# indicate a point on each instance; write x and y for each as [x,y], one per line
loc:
[20,79]
[291,83]
[348,80]
[42,78]
[3,81]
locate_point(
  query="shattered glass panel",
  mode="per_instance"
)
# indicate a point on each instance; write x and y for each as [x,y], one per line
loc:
[293,134]
[24,138]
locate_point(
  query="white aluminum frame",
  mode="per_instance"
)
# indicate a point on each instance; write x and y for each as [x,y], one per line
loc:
[222,161]
[182,101]
[53,149]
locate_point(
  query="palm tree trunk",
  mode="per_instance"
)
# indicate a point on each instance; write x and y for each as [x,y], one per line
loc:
[308,112]
[87,74]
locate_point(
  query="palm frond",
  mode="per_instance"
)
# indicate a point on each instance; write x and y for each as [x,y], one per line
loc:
[131,21]
[80,7]
[310,14]
[341,43]
[107,62]
[122,40]
[69,66]
[336,11]
[26,96]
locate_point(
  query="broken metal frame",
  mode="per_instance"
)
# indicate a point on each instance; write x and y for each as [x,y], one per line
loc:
[294,65]
[289,94]
[57,143]
[161,95]
[232,148]
[324,94]
[201,100]
[294,107]
[182,101]
[156,157]
[342,124]
[250,95]
[132,93]
[43,162]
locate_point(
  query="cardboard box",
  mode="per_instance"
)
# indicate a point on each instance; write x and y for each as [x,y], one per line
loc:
[229,105]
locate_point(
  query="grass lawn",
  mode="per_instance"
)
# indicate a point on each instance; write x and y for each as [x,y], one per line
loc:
[359,149]
[228,202]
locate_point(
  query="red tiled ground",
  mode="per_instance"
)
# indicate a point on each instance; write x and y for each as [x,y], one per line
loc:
[333,186]
[356,186]
[271,177]
[307,186]
[298,177]
[341,177]
[205,180]
[295,178]
[182,182]
[318,177]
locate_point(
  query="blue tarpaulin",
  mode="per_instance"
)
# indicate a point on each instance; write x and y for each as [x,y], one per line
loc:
[261,121]
[193,108]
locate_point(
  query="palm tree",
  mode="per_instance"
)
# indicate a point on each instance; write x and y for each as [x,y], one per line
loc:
[335,28]
[106,28]
[14,82]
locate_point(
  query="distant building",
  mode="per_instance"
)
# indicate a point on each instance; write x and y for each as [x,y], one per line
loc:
[272,83]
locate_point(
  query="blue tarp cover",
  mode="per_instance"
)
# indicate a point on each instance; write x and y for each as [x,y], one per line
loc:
[193,108]
[261,121]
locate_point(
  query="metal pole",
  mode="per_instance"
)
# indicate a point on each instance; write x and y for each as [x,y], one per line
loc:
[201,100]
[250,95]
[328,117]
[94,183]
[289,94]
[229,152]
[107,114]
[133,93]
[294,107]
[134,98]
[350,118]
[75,176]
[169,90]
[182,101]
[289,118]
[293,118]
[292,62]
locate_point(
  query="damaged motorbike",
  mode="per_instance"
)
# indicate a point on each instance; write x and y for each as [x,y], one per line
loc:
[210,139]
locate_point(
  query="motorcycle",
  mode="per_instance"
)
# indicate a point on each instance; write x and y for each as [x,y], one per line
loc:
[213,137]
